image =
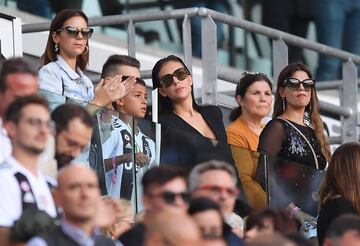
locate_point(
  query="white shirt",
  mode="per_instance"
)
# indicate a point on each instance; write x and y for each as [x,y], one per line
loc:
[115,146]
[5,144]
[10,192]
[57,81]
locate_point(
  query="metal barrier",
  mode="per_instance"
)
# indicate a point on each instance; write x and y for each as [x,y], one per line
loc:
[348,109]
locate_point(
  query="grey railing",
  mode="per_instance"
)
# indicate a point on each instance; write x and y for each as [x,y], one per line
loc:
[348,109]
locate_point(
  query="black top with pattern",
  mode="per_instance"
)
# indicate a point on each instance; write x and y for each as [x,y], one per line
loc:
[280,139]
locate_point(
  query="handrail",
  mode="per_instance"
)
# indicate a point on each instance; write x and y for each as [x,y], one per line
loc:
[120,19]
[338,110]
[231,20]
[347,86]
[276,34]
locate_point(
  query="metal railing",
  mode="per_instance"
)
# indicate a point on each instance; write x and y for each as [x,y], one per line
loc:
[348,109]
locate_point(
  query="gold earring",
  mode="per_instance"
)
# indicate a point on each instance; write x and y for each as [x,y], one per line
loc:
[86,49]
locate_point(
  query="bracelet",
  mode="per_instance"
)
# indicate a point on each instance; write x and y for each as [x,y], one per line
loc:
[293,211]
[113,161]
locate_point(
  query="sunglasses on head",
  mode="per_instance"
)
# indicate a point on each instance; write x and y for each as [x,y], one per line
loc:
[138,80]
[168,79]
[170,197]
[74,31]
[294,84]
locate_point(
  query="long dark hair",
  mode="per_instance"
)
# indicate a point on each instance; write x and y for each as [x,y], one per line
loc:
[343,175]
[312,108]
[165,103]
[246,80]
[57,23]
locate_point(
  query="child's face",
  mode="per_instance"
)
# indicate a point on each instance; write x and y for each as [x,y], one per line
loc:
[135,101]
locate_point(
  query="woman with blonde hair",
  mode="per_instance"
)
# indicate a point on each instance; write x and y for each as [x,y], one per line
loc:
[120,212]
[340,190]
[296,132]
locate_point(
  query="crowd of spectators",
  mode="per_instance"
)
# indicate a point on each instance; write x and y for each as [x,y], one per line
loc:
[194,193]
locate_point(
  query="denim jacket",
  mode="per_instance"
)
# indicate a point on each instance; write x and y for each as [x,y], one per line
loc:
[58,82]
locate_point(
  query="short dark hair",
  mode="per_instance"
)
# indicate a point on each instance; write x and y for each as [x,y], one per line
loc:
[63,114]
[13,112]
[342,224]
[202,204]
[112,63]
[279,218]
[11,66]
[160,175]
[246,80]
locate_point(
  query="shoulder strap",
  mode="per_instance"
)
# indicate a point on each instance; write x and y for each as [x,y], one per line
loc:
[302,135]
[57,237]
[27,195]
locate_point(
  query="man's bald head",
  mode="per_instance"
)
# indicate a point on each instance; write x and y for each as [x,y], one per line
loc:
[166,228]
[78,192]
[75,172]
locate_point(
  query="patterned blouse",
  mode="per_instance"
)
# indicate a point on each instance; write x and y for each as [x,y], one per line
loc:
[280,139]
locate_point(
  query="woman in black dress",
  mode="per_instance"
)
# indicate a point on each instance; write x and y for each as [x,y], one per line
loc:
[296,131]
[190,133]
[340,191]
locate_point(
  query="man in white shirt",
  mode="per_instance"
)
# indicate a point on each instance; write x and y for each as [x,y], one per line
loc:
[22,185]
[16,80]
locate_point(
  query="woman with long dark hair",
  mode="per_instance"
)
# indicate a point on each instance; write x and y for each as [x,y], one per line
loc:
[191,133]
[340,190]
[296,132]
[66,57]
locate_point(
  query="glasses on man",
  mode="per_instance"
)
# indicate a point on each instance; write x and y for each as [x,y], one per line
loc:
[217,190]
[86,32]
[169,197]
[294,84]
[168,79]
[38,123]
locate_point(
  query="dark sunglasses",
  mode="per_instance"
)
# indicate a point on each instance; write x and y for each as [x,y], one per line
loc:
[170,197]
[168,79]
[74,31]
[138,80]
[294,84]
